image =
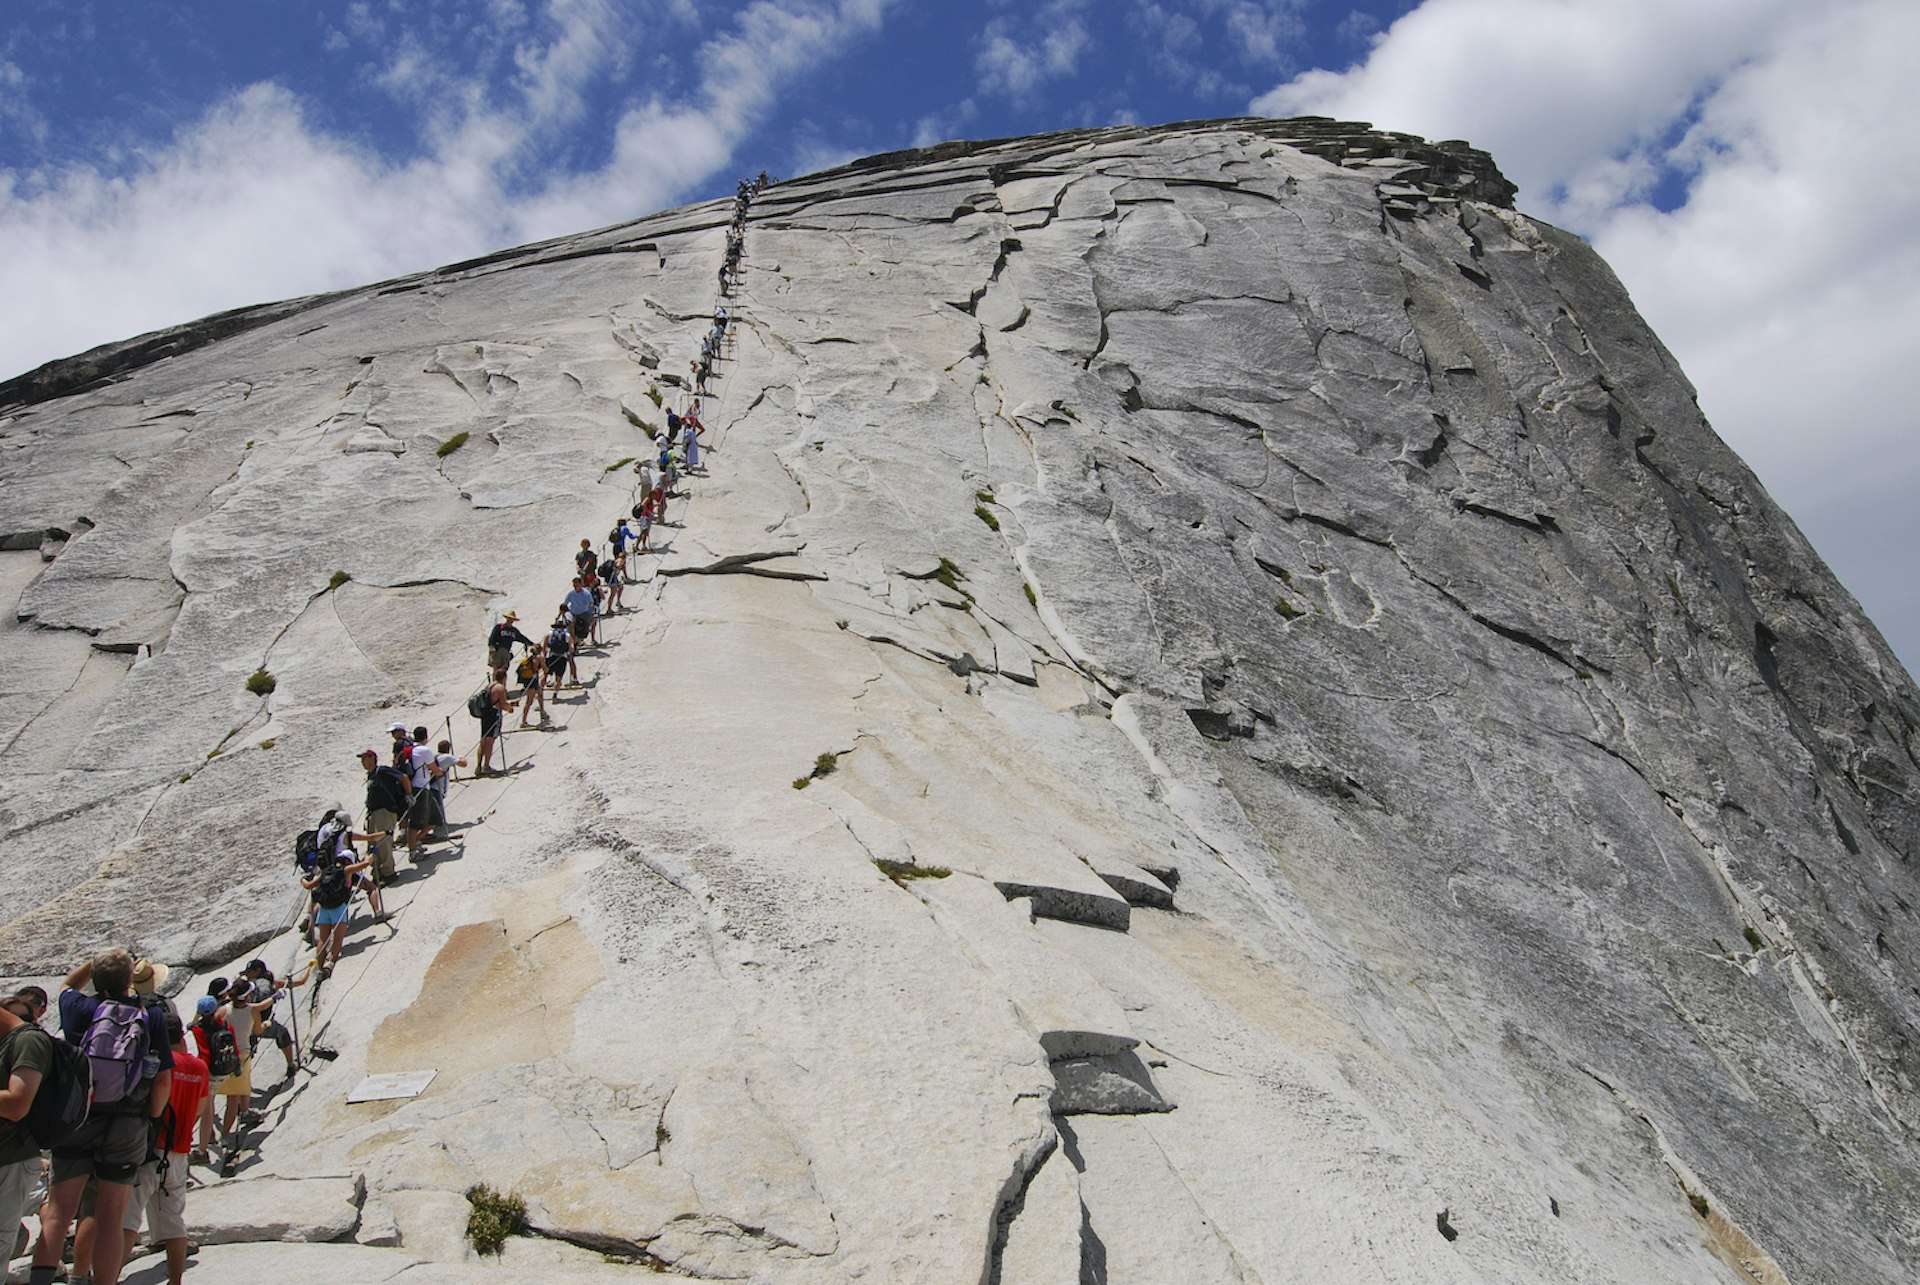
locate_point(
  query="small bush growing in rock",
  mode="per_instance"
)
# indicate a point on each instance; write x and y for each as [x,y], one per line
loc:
[985,514]
[653,394]
[1033,599]
[1699,1203]
[622,462]
[950,574]
[494,1217]
[452,444]
[267,744]
[1754,939]
[1288,610]
[337,579]
[825,764]
[802,782]
[901,871]
[260,682]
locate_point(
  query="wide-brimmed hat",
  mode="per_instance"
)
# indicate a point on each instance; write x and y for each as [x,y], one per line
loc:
[510,616]
[148,976]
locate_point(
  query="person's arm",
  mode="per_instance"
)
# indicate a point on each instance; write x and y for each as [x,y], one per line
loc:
[310,882]
[18,1095]
[82,974]
[161,1091]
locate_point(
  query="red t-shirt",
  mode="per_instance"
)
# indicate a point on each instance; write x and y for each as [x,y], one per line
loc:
[189,1086]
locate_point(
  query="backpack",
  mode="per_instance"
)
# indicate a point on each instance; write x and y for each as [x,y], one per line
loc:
[223,1055]
[59,1105]
[559,642]
[306,846]
[116,1047]
[332,891]
[527,669]
[480,702]
[606,569]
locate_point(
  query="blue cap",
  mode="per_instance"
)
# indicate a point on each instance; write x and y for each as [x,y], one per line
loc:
[207,1004]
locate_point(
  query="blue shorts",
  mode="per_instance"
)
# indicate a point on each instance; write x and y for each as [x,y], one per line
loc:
[329,915]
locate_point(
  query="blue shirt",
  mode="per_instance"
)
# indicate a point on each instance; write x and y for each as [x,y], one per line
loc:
[580,602]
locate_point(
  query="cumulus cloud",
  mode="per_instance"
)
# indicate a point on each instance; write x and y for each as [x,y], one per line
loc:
[255,201]
[1786,274]
[1016,64]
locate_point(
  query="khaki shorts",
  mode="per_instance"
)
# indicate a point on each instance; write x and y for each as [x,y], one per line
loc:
[160,1193]
[108,1147]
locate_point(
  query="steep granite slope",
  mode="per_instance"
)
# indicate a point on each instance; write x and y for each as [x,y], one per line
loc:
[1415,809]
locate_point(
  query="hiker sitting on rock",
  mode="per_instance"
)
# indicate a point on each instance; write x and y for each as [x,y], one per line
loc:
[132,1063]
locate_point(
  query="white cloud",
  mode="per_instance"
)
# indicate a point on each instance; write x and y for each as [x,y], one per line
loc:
[1787,282]
[1017,64]
[254,201]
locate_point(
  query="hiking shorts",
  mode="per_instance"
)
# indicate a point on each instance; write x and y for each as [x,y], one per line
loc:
[239,1085]
[326,916]
[499,657]
[582,625]
[490,724]
[107,1147]
[160,1193]
[274,1030]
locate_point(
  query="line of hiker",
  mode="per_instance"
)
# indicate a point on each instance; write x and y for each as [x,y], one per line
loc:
[102,1121]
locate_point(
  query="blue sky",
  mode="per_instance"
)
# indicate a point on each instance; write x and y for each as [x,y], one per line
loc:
[1750,167]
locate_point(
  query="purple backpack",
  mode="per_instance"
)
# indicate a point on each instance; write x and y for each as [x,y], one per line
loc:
[116,1049]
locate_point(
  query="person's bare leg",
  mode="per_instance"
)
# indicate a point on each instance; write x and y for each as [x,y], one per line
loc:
[56,1215]
[109,1251]
[176,1259]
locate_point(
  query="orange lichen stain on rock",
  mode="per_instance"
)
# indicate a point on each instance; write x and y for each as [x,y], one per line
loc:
[500,992]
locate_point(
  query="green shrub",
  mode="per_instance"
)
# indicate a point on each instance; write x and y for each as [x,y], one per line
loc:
[260,682]
[653,394]
[494,1217]
[901,871]
[825,764]
[267,744]
[622,462]
[1754,939]
[1699,1203]
[1288,610]
[337,579]
[985,497]
[802,782]
[452,444]
[950,574]
[1033,599]
[985,514]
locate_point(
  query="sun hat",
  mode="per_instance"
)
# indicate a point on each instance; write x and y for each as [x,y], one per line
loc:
[148,976]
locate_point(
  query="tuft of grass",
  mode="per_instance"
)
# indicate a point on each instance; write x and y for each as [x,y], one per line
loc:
[261,683]
[985,497]
[985,514]
[185,777]
[337,579]
[1699,1203]
[452,444]
[802,782]
[826,764]
[267,744]
[653,395]
[1033,599]
[1754,939]
[622,462]
[635,420]
[901,871]
[1288,610]
[249,443]
[494,1217]
[950,575]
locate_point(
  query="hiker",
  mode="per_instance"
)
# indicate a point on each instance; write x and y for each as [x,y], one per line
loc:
[500,641]
[264,989]
[332,885]
[559,647]
[690,442]
[218,1047]
[233,1009]
[160,1194]
[620,537]
[643,524]
[586,557]
[26,1060]
[423,813]
[132,1062]
[614,573]
[450,763]
[496,706]
[579,605]
[389,792]
[533,672]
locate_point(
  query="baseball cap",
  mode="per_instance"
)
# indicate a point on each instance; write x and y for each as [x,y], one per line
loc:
[206,1005]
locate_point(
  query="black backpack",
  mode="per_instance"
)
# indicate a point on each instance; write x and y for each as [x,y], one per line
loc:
[332,891]
[480,702]
[306,847]
[59,1105]
[606,569]
[223,1055]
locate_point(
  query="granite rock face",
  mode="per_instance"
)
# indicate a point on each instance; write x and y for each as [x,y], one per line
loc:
[1337,773]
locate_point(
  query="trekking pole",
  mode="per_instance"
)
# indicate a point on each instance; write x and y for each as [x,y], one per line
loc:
[293,1015]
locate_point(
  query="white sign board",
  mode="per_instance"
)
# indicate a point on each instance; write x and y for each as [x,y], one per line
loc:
[398,1084]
